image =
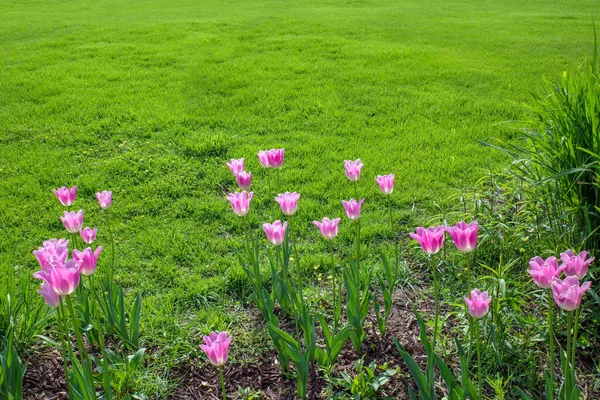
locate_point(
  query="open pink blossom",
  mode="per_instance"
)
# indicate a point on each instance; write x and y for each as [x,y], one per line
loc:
[567,293]
[352,208]
[240,202]
[275,232]
[53,250]
[386,183]
[544,271]
[236,166]
[353,169]
[464,235]
[88,259]
[263,158]
[430,239]
[275,157]
[575,264]
[65,195]
[104,199]
[216,347]
[288,202]
[328,227]
[243,179]
[478,304]
[52,299]
[88,235]
[73,221]
[64,278]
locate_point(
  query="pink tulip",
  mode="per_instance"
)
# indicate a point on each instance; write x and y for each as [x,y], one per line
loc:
[88,259]
[53,250]
[464,235]
[275,232]
[64,278]
[353,169]
[88,235]
[329,228]
[430,239]
[244,179]
[567,293]
[52,299]
[575,264]
[263,158]
[478,304]
[288,202]
[275,157]
[544,271]
[240,202]
[65,195]
[73,221]
[386,183]
[104,199]
[352,208]
[216,347]
[236,166]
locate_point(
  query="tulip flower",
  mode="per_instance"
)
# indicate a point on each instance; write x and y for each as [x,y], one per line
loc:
[64,278]
[53,250]
[352,208]
[386,183]
[263,158]
[575,264]
[244,179]
[275,157]
[73,221]
[275,232]
[329,228]
[216,348]
[567,293]
[478,304]
[52,299]
[353,169]
[65,195]
[240,202]
[88,259]
[88,235]
[430,239]
[288,202]
[464,235]
[544,271]
[104,199]
[236,166]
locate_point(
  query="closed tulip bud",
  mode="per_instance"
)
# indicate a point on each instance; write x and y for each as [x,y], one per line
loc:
[240,202]
[275,232]
[288,202]
[328,227]
[353,169]
[386,183]
[464,235]
[73,221]
[104,199]
[567,293]
[352,208]
[575,264]
[216,347]
[236,166]
[88,235]
[543,271]
[65,195]
[430,239]
[478,304]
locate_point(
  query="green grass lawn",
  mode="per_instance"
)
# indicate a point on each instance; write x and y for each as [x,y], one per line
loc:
[149,99]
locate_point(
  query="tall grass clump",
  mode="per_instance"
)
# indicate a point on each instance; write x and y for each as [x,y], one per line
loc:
[560,155]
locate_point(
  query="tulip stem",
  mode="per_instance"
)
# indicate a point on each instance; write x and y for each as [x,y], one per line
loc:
[84,356]
[333,273]
[296,257]
[394,239]
[479,382]
[551,340]
[358,244]
[574,350]
[436,294]
[567,372]
[66,345]
[112,251]
[223,392]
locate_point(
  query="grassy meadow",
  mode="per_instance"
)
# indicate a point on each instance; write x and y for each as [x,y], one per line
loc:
[149,99]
